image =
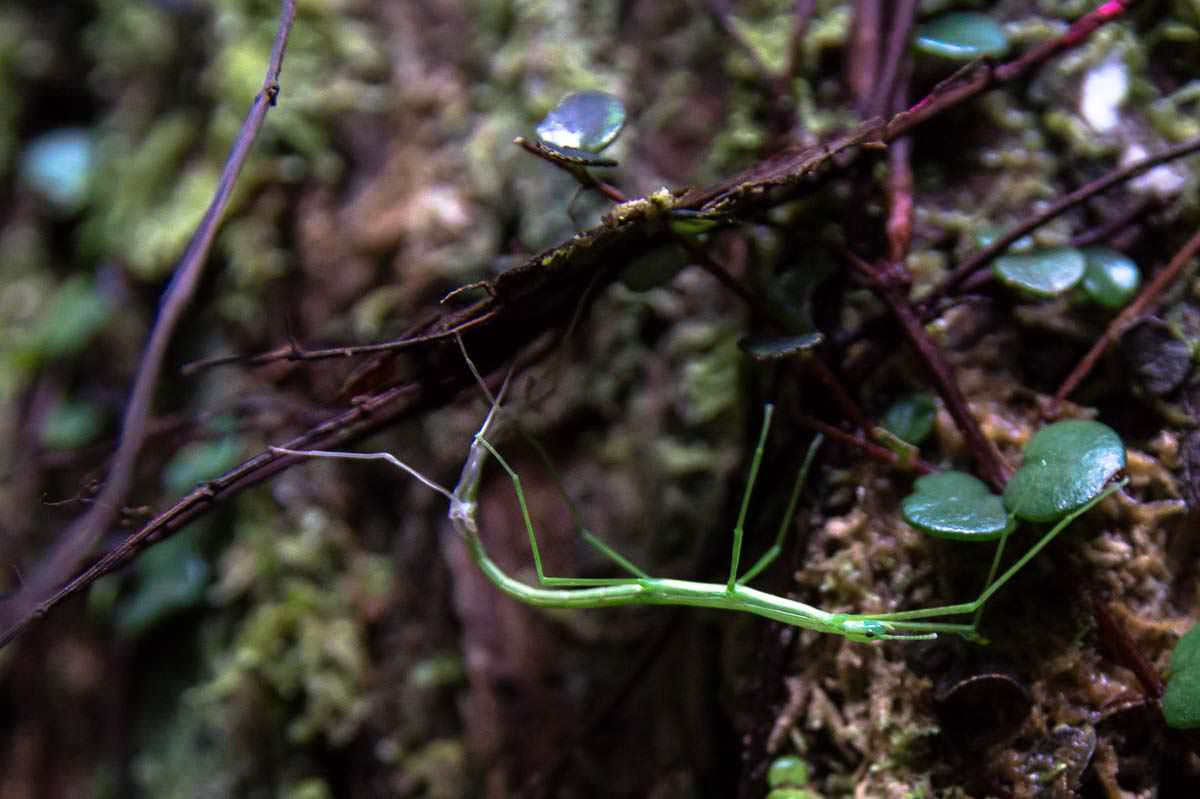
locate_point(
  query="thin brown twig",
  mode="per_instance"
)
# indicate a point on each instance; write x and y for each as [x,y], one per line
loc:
[802,13]
[1141,305]
[863,56]
[1119,222]
[80,538]
[891,73]
[870,448]
[981,258]
[337,431]
[586,179]
[991,465]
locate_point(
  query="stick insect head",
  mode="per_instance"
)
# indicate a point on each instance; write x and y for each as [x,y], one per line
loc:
[867,630]
[462,501]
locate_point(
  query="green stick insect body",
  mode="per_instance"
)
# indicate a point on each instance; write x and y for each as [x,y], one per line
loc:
[732,595]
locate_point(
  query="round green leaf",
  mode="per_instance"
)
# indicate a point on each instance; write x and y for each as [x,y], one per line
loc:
[787,771]
[1066,465]
[961,36]
[910,418]
[588,121]
[72,424]
[958,506]
[1045,273]
[59,166]
[1181,702]
[1111,278]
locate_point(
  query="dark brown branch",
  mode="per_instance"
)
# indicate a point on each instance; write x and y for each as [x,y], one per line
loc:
[1141,305]
[80,538]
[337,431]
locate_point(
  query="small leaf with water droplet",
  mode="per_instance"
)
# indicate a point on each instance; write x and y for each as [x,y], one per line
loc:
[1111,278]
[588,121]
[961,36]
[1045,273]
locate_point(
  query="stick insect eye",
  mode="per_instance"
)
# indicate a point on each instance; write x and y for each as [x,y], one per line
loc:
[864,630]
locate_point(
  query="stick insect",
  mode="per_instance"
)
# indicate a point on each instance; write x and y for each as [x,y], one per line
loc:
[639,588]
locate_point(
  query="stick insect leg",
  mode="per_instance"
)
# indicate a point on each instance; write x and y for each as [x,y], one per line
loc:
[586,534]
[533,545]
[367,456]
[776,548]
[739,528]
[975,605]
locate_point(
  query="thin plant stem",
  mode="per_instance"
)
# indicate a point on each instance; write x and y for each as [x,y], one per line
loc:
[80,538]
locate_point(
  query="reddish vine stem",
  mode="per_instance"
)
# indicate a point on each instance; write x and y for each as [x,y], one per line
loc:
[991,465]
[980,79]
[873,450]
[1141,305]
[80,538]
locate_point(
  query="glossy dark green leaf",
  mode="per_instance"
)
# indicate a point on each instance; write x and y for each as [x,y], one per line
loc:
[691,223]
[1066,465]
[961,36]
[1044,273]
[1181,702]
[957,506]
[1110,278]
[790,293]
[910,418]
[773,348]
[588,121]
